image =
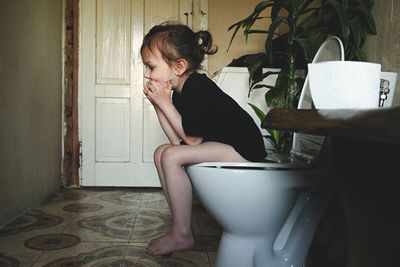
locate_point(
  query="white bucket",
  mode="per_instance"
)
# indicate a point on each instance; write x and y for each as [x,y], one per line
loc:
[344,84]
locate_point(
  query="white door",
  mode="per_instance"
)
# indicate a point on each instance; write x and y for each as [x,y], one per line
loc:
[119,129]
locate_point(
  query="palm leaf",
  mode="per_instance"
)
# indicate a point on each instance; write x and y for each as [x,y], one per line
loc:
[249,21]
[271,32]
[260,114]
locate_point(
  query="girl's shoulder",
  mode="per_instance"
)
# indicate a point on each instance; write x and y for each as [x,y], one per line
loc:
[198,87]
[201,80]
[196,76]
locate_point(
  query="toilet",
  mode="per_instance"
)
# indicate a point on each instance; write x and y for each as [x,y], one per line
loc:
[269,211]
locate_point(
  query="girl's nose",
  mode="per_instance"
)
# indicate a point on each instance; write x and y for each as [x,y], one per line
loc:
[146,73]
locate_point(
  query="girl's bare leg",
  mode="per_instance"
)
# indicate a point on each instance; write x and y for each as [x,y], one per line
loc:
[179,190]
[157,161]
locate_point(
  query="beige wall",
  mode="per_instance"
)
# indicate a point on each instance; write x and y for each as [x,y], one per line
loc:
[30,103]
[222,14]
[384,48]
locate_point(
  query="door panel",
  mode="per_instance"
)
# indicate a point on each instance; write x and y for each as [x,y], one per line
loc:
[157,11]
[112,130]
[113,35]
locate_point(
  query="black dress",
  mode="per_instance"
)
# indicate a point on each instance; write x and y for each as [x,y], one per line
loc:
[210,113]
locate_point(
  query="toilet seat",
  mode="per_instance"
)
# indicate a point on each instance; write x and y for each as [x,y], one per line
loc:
[256,165]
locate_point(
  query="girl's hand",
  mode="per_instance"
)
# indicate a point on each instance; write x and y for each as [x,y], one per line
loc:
[146,91]
[158,93]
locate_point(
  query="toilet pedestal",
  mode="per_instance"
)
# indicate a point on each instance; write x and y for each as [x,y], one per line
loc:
[233,248]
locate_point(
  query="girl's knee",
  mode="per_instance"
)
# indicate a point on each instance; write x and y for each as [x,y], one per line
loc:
[158,153]
[170,155]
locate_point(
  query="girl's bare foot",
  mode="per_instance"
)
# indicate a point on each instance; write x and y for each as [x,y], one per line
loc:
[169,243]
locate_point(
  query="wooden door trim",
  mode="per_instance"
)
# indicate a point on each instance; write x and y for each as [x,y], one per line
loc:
[71,136]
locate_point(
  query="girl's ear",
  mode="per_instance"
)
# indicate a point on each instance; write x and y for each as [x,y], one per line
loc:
[181,66]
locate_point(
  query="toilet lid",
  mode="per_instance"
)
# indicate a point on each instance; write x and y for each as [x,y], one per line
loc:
[306,146]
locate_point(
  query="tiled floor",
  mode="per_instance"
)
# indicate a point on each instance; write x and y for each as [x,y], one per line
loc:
[102,227]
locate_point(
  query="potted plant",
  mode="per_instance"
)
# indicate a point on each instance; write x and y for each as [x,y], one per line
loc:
[297,29]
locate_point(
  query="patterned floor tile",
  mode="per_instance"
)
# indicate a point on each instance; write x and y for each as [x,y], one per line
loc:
[111,225]
[52,242]
[17,239]
[136,256]
[32,220]
[71,210]
[103,227]
[82,207]
[210,231]
[206,242]
[85,254]
[65,195]
[14,253]
[8,260]
[33,223]
[208,225]
[197,207]
[212,255]
[154,199]
[150,224]
[129,198]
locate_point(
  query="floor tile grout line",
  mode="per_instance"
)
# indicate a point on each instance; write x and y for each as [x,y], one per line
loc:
[136,217]
[133,227]
[38,258]
[126,251]
[130,240]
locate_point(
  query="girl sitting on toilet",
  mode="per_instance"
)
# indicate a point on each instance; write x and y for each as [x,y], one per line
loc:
[202,123]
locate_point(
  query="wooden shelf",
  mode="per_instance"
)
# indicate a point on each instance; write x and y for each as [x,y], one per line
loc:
[371,124]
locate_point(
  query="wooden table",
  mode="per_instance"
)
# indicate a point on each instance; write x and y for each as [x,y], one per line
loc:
[366,157]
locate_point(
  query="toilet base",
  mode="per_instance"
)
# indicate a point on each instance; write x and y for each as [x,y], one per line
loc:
[238,251]
[290,246]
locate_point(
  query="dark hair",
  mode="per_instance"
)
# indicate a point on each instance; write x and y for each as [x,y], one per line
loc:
[175,41]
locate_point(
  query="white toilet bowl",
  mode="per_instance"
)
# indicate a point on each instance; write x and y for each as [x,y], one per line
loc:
[269,211]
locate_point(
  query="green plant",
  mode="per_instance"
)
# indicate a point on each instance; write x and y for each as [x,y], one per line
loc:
[296,30]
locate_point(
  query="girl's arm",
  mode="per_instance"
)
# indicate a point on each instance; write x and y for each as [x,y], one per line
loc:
[166,126]
[170,118]
[175,120]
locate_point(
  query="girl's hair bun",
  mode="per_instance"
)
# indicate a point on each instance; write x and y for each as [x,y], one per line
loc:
[205,42]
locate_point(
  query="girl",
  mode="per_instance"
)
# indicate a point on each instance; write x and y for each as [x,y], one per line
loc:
[201,122]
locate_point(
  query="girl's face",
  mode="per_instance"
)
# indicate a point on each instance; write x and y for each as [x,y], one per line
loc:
[156,68]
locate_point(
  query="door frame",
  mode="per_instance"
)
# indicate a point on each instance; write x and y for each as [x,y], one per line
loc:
[70,132]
